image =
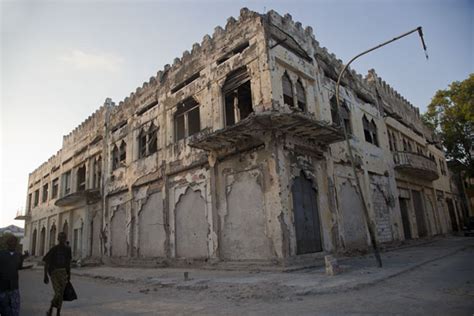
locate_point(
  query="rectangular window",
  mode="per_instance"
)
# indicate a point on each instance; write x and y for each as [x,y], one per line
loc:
[187,120]
[55,188]
[237,96]
[37,194]
[66,183]
[45,193]
[81,178]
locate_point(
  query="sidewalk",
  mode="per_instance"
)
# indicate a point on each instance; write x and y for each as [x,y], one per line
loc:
[358,272]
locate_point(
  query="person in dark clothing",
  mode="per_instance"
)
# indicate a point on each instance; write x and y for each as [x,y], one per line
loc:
[10,262]
[57,264]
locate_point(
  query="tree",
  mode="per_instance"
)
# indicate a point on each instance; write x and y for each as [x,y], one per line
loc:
[451,115]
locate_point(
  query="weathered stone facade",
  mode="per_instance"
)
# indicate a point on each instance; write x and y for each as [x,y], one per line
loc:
[235,152]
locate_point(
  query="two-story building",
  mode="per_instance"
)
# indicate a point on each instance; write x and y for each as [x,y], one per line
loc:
[236,152]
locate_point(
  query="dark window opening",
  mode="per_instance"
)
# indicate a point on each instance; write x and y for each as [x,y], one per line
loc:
[300,96]
[147,141]
[45,193]
[81,178]
[373,132]
[123,152]
[185,83]
[36,202]
[237,50]
[238,96]
[334,112]
[115,157]
[346,117]
[55,188]
[147,108]
[67,182]
[367,132]
[287,90]
[187,120]
[390,144]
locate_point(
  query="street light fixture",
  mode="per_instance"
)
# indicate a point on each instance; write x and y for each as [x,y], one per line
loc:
[349,148]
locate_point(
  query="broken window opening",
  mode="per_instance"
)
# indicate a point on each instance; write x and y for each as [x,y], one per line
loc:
[81,178]
[237,50]
[36,202]
[66,180]
[300,96]
[334,112]
[288,97]
[115,157]
[45,193]
[367,133]
[237,96]
[346,117]
[147,141]
[123,152]
[55,188]
[187,120]
[185,82]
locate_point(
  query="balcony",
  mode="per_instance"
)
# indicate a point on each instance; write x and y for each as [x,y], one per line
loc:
[250,130]
[415,165]
[22,215]
[79,198]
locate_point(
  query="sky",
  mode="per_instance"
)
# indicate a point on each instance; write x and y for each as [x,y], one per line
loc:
[60,60]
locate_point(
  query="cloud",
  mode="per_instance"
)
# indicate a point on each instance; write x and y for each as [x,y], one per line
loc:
[93,61]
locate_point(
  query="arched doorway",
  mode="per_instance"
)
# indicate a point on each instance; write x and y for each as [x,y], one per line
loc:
[52,236]
[42,241]
[306,215]
[33,244]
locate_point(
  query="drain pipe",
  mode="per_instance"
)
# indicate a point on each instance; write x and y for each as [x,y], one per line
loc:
[349,148]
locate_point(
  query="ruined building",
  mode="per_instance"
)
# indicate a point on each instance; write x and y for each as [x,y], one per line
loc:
[236,152]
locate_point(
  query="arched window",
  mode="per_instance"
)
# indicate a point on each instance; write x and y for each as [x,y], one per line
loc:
[287,90]
[300,95]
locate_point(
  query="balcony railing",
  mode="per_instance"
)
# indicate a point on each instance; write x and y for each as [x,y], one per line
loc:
[78,198]
[415,165]
[22,214]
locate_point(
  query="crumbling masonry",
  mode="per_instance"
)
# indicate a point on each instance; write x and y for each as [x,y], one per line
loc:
[235,153]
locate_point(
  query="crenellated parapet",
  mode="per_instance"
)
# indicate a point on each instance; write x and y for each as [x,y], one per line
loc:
[90,126]
[190,63]
[397,106]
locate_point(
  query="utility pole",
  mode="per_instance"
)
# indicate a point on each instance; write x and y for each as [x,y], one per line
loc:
[349,148]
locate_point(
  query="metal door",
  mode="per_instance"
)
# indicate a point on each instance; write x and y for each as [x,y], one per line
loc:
[419,210]
[405,218]
[308,234]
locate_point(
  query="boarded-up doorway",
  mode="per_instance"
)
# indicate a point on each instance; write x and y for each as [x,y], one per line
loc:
[305,208]
[419,213]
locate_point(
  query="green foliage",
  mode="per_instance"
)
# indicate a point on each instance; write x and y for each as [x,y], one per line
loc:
[3,241]
[451,115]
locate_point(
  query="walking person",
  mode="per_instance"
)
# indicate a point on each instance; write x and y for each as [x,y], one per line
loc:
[10,262]
[57,264]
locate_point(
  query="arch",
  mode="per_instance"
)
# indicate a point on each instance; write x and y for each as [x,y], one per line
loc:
[306,216]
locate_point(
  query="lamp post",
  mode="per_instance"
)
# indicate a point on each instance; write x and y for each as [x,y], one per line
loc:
[349,148]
